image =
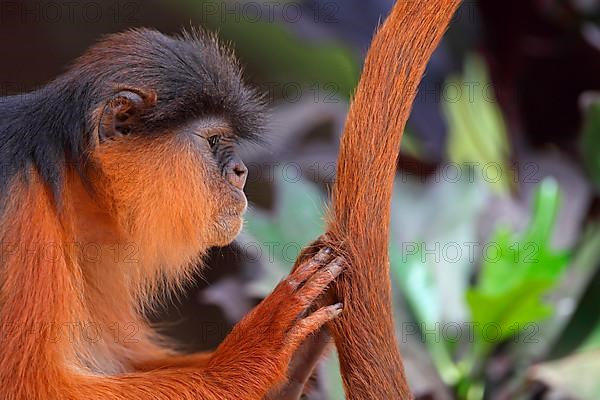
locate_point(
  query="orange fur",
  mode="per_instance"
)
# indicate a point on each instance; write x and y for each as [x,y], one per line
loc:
[108,248]
[359,221]
[72,319]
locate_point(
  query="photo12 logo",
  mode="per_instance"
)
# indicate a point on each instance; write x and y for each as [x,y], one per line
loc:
[268,11]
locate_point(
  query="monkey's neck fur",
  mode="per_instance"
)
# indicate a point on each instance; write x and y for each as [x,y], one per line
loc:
[83,282]
[82,288]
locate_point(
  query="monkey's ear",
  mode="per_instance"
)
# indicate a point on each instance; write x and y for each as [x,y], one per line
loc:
[121,114]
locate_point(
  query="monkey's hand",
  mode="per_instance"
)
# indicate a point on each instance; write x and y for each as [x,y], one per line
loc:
[260,347]
[306,358]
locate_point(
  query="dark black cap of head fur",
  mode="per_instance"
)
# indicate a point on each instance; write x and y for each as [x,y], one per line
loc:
[192,76]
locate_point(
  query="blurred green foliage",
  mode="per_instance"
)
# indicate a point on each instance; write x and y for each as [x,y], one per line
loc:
[278,56]
[506,296]
[506,301]
[501,297]
[295,223]
[477,132]
[510,287]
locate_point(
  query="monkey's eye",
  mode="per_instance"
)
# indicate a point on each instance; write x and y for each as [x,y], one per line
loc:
[213,141]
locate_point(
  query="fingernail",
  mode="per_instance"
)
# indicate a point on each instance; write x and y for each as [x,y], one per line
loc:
[335,269]
[338,309]
[339,261]
[323,254]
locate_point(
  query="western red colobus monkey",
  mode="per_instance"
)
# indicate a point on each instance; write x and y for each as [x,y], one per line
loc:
[134,149]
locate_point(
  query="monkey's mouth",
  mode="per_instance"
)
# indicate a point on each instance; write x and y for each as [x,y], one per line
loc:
[237,204]
[230,219]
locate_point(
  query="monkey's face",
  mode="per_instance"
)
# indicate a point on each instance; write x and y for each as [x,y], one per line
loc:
[175,192]
[225,174]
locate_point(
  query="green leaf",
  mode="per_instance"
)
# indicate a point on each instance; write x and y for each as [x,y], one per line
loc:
[581,331]
[427,220]
[590,141]
[579,294]
[477,131]
[430,226]
[508,296]
[498,317]
[517,258]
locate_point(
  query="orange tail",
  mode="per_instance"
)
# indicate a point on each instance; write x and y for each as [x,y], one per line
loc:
[360,217]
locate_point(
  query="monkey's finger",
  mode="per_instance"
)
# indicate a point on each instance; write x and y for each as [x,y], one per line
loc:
[312,323]
[308,268]
[317,284]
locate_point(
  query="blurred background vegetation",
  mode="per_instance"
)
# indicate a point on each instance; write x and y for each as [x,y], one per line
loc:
[495,252]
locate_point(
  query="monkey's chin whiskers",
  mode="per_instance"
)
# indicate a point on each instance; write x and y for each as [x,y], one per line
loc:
[226,229]
[237,204]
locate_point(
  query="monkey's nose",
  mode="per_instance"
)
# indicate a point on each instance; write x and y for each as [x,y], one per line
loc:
[237,173]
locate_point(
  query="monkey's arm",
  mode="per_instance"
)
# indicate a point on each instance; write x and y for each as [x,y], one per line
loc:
[307,357]
[174,361]
[301,367]
[254,357]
